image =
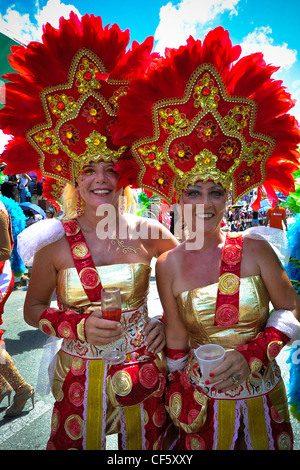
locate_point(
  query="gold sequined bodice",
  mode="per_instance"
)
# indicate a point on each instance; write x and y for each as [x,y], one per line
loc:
[197,310]
[132,279]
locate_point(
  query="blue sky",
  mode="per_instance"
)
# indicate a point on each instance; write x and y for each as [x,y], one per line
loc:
[270,26]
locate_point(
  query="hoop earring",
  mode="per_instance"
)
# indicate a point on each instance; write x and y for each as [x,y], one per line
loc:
[80,209]
[122,202]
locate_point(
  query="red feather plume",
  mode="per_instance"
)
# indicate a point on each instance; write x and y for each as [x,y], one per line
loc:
[45,64]
[247,77]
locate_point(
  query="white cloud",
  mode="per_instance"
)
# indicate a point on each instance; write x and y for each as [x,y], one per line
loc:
[24,29]
[261,41]
[188,17]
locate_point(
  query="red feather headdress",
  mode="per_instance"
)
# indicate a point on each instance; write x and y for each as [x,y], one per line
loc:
[203,114]
[64,96]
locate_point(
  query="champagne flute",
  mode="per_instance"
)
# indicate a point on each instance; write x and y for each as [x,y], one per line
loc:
[111,307]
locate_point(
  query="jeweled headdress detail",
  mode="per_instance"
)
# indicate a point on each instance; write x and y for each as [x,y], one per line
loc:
[201,114]
[64,98]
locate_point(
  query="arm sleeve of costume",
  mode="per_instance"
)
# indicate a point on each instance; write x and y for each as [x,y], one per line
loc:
[5,246]
[65,324]
[176,359]
[282,328]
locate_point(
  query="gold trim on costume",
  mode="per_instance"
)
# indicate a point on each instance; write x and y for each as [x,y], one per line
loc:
[45,138]
[125,248]
[176,129]
[94,405]
[81,330]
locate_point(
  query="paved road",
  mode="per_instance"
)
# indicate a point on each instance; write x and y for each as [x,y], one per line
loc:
[26,345]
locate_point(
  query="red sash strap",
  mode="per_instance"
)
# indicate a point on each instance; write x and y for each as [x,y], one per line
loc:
[227,304]
[84,264]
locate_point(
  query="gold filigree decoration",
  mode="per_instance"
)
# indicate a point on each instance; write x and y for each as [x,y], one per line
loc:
[246,178]
[207,131]
[204,169]
[237,118]
[61,105]
[97,148]
[206,93]
[172,120]
[152,155]
[47,141]
[113,100]
[57,189]
[255,152]
[125,248]
[86,76]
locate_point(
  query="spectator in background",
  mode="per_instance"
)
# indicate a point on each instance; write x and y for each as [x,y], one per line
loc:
[276,217]
[32,217]
[31,184]
[9,187]
[39,188]
[23,186]
[254,222]
[50,213]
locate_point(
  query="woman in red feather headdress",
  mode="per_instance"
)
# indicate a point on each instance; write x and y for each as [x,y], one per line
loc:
[202,124]
[60,105]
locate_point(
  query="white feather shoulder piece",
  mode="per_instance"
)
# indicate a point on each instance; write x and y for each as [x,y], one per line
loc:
[36,236]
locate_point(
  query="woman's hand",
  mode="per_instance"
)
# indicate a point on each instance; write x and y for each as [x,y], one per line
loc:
[231,373]
[154,334]
[99,331]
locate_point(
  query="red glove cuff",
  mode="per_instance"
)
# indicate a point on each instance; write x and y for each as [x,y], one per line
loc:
[264,348]
[63,324]
[176,353]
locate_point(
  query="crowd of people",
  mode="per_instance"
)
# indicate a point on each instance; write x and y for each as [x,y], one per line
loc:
[177,127]
[240,218]
[23,187]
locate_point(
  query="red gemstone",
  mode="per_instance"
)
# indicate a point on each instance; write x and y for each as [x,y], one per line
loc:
[151,156]
[239,117]
[61,105]
[206,91]
[170,120]
[87,76]
[48,141]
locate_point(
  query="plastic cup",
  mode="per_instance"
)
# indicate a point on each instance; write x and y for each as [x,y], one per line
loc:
[209,357]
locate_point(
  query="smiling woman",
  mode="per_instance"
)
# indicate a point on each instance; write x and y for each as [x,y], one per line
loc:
[211,196]
[210,122]
[91,70]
